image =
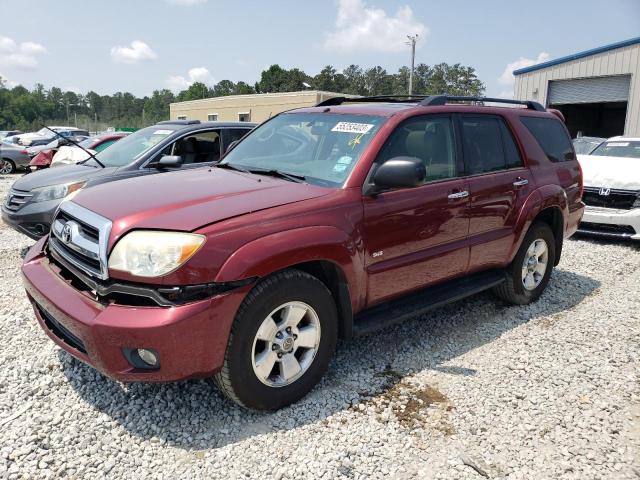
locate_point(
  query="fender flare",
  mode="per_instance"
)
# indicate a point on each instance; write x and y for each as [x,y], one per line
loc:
[547,196]
[281,250]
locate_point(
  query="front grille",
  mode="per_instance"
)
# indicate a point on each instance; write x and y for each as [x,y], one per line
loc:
[87,230]
[93,264]
[607,229]
[79,238]
[618,199]
[16,199]
[60,330]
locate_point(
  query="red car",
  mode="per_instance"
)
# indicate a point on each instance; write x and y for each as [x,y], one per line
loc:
[322,223]
[96,143]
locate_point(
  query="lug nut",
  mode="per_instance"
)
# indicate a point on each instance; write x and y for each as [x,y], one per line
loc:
[279,335]
[288,329]
[274,347]
[279,355]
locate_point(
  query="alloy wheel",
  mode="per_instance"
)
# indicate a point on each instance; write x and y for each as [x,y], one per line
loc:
[534,265]
[5,167]
[286,344]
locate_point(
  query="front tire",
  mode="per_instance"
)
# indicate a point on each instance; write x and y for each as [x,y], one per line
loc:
[281,342]
[7,167]
[530,271]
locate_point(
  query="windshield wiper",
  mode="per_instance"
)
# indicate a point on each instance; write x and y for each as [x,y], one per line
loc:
[292,177]
[232,167]
[77,145]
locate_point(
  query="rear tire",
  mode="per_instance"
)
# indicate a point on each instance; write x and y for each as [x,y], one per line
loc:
[530,271]
[7,166]
[281,342]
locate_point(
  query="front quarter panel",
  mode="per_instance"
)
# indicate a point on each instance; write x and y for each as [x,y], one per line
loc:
[275,252]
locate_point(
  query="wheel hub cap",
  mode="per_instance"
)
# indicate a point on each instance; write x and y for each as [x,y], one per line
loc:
[286,344]
[535,264]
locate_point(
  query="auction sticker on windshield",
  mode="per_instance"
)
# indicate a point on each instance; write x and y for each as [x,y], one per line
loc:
[349,127]
[163,132]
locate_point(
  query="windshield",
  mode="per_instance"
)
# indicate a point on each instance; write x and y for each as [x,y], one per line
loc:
[321,147]
[87,142]
[585,146]
[133,146]
[619,148]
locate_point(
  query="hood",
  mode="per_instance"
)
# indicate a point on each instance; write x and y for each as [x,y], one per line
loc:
[56,176]
[189,199]
[612,172]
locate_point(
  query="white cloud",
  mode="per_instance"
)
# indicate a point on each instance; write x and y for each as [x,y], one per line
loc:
[7,82]
[186,3]
[508,80]
[196,74]
[363,27]
[136,53]
[23,55]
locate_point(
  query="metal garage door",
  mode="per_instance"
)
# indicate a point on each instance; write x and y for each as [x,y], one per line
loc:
[589,90]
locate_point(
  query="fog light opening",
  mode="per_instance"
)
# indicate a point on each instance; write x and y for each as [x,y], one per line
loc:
[142,358]
[148,357]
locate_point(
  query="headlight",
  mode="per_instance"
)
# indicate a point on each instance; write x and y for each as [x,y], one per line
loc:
[153,254]
[54,192]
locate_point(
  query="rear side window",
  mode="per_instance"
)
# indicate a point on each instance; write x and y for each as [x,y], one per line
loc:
[488,145]
[552,137]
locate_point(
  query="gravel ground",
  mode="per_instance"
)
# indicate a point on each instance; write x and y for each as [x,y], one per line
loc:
[476,389]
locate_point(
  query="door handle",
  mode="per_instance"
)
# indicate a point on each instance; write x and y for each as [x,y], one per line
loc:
[453,196]
[520,182]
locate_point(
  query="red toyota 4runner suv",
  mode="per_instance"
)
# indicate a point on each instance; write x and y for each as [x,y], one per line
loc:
[322,223]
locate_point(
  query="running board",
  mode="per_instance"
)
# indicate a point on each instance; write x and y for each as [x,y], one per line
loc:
[409,306]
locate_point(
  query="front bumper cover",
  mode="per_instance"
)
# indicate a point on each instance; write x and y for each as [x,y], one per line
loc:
[191,339]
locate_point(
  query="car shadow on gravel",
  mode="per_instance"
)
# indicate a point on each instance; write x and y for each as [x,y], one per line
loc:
[193,415]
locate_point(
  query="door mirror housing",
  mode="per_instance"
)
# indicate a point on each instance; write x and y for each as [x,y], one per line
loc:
[169,161]
[399,172]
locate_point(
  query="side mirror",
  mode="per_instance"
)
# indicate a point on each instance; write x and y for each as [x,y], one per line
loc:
[399,172]
[169,161]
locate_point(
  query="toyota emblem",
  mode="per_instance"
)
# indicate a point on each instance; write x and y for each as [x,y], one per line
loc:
[65,235]
[605,192]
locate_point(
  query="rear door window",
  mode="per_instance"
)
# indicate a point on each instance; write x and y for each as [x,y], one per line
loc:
[488,144]
[551,136]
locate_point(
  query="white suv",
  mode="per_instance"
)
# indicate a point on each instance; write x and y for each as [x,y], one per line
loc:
[612,189]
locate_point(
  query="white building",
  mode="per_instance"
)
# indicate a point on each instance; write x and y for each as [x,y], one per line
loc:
[598,90]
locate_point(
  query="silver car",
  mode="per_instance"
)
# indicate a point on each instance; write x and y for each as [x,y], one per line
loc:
[12,158]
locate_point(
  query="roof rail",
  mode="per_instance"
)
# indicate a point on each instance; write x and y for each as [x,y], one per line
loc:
[179,122]
[438,100]
[329,102]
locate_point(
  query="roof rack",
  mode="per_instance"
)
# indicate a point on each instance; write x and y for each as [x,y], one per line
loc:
[329,102]
[438,100]
[179,122]
[428,100]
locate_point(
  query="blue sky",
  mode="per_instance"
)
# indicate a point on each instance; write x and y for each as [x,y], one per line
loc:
[142,45]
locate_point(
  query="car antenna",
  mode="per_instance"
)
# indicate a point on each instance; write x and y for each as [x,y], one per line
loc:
[77,145]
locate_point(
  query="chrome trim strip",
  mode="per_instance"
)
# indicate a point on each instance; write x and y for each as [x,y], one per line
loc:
[100,223]
[57,252]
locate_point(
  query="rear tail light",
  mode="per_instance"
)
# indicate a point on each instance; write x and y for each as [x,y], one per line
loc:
[24,152]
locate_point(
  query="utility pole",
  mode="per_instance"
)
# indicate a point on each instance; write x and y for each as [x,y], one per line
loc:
[412,43]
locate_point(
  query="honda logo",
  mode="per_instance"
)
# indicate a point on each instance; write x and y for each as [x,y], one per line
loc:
[605,192]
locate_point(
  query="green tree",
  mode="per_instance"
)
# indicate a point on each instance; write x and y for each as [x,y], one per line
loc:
[196,91]
[354,80]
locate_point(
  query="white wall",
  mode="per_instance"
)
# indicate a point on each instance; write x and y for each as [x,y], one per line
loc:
[621,61]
